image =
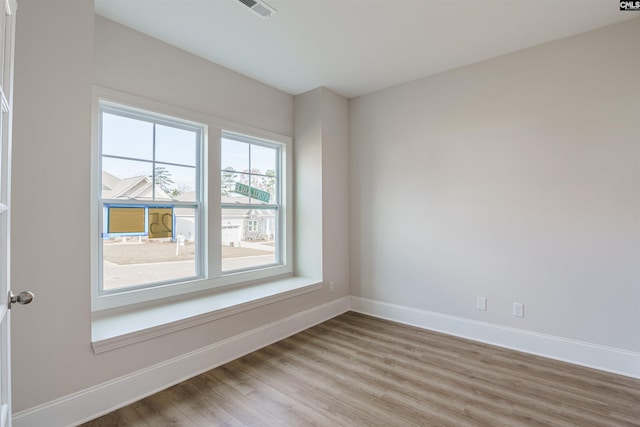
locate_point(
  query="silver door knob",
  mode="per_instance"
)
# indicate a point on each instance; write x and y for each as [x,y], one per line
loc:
[24,297]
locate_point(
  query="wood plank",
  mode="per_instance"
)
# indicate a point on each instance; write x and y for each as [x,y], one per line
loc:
[356,370]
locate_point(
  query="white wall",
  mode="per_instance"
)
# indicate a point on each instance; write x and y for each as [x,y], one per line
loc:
[307,188]
[50,199]
[56,64]
[516,179]
[335,189]
[137,64]
[321,187]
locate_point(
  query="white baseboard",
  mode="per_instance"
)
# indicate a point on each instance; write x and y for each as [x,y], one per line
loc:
[595,356]
[104,398]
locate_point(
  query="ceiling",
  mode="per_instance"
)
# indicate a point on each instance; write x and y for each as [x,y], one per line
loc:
[354,47]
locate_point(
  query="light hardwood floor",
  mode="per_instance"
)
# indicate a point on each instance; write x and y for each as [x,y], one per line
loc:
[356,370]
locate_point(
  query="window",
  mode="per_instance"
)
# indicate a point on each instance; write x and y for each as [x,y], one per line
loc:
[250,196]
[150,198]
[183,204]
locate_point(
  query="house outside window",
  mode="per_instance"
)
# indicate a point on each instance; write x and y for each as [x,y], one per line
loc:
[183,204]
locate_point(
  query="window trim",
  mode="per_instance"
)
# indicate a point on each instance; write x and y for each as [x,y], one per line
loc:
[210,213]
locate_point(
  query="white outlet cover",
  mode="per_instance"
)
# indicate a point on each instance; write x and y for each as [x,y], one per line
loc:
[518,309]
[481,303]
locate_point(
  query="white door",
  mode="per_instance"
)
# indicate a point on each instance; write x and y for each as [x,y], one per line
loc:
[7,31]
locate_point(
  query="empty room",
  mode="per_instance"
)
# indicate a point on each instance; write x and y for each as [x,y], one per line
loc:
[320,212]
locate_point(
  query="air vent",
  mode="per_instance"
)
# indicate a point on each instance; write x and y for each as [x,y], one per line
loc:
[260,8]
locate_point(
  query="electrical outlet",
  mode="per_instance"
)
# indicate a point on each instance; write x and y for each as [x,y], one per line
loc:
[518,309]
[481,303]
[332,286]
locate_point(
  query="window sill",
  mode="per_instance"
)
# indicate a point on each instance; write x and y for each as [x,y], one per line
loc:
[111,331]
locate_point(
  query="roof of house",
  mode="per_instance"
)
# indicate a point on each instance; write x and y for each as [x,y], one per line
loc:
[136,187]
[139,188]
[239,199]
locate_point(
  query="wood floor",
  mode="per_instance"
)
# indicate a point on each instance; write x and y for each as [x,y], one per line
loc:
[356,370]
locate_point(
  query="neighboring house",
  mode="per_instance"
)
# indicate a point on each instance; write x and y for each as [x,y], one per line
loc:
[136,187]
[243,224]
[185,219]
[237,224]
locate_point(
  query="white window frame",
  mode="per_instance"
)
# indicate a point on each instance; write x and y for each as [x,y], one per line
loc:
[274,206]
[109,107]
[210,270]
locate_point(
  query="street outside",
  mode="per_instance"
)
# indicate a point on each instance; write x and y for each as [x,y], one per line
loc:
[136,263]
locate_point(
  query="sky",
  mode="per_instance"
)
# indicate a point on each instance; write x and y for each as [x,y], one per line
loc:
[134,139]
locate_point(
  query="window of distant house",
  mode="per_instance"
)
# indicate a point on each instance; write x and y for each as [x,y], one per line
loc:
[150,199]
[250,202]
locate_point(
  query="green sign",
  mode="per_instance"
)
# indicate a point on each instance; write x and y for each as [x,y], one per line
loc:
[254,193]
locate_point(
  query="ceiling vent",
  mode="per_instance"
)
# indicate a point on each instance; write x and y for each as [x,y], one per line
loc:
[260,8]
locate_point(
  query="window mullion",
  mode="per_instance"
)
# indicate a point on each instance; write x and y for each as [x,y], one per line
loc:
[214,213]
[153,172]
[250,171]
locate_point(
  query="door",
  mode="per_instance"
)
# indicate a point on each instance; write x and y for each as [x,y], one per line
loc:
[7,31]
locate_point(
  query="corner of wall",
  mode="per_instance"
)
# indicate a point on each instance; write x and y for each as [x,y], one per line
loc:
[322,192]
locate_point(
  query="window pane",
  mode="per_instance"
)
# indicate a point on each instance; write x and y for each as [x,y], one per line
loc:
[246,188]
[125,137]
[147,166]
[176,182]
[235,155]
[263,160]
[248,238]
[126,179]
[263,189]
[235,187]
[175,145]
[137,260]
[227,184]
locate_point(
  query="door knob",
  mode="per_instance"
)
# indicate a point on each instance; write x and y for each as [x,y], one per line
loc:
[24,297]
